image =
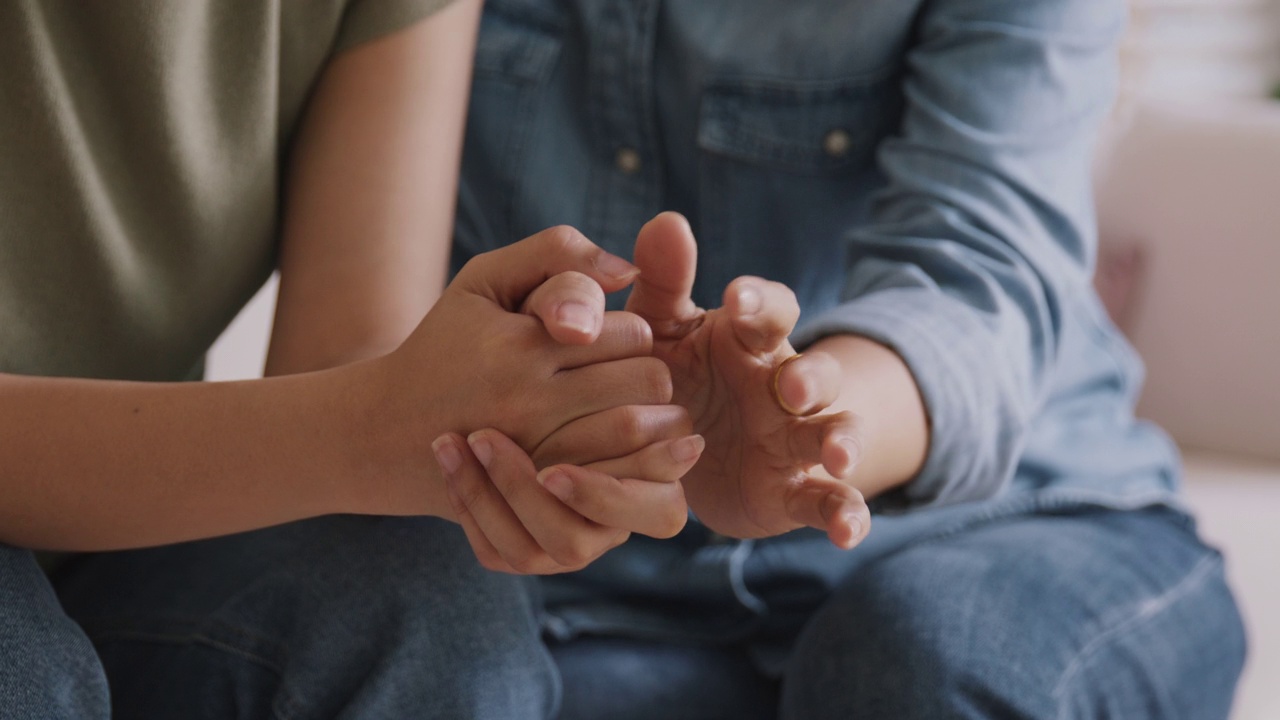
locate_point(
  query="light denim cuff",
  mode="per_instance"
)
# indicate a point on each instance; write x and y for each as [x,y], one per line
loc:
[974,434]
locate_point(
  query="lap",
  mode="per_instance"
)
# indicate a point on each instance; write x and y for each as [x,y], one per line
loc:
[624,679]
[339,616]
[1091,614]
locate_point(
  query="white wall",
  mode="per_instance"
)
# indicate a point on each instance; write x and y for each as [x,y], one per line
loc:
[242,350]
[1192,175]
[1205,48]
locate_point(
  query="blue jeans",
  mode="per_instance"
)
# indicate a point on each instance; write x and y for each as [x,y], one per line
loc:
[1093,614]
[985,611]
[338,617]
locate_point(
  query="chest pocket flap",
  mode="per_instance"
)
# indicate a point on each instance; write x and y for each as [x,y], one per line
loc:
[806,126]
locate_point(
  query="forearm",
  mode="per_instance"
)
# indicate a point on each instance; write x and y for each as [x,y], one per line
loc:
[370,196]
[878,387]
[95,465]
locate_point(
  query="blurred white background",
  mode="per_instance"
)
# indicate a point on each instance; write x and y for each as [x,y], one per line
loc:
[1189,200]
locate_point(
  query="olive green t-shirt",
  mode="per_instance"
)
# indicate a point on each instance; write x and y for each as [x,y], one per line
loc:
[141,146]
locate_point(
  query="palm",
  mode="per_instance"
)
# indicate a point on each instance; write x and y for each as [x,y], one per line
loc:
[755,468]
[747,466]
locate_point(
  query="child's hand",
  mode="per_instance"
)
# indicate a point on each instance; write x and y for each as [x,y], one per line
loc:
[476,362]
[519,520]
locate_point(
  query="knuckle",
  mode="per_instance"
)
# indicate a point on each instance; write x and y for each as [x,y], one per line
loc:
[468,491]
[505,481]
[568,286]
[525,560]
[786,294]
[684,421]
[581,283]
[673,521]
[563,239]
[631,425]
[657,381]
[476,264]
[491,561]
[587,501]
[631,330]
[575,553]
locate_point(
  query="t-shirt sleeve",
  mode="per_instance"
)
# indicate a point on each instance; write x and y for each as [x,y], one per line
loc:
[365,20]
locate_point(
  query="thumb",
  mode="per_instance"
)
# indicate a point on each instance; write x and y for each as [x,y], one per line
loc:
[667,256]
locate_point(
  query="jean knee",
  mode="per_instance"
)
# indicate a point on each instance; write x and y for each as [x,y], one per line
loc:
[441,629]
[876,649]
[356,616]
[48,667]
[1031,618]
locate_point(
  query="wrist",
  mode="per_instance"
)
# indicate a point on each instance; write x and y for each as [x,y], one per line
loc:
[385,440]
[879,387]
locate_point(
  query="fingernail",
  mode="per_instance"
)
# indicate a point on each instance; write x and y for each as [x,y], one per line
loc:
[482,449]
[853,450]
[447,455]
[577,316]
[688,449]
[854,523]
[802,403]
[556,482]
[615,267]
[749,300]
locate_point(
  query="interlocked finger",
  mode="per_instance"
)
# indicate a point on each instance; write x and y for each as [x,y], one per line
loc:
[665,461]
[615,432]
[656,509]
[571,307]
[622,335]
[565,538]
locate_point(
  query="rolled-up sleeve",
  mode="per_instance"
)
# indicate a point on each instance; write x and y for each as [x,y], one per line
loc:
[366,20]
[985,226]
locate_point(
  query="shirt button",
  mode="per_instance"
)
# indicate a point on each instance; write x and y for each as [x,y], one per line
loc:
[837,143]
[628,161]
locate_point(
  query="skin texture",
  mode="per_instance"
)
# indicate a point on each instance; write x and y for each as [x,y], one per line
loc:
[767,471]
[848,422]
[359,381]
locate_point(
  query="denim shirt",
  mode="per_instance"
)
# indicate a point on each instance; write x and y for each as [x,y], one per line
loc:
[918,171]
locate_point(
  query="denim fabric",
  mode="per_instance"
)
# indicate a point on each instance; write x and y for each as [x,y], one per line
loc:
[949,613]
[48,668]
[918,172]
[339,617]
[1092,615]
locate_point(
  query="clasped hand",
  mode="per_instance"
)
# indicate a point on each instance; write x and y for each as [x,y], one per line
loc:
[616,408]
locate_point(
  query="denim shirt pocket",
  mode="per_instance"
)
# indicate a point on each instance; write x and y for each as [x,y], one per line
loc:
[517,49]
[785,171]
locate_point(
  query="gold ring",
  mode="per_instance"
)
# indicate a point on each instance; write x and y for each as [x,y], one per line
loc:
[777,396]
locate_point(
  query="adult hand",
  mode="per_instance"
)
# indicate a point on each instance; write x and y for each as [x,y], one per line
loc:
[762,473]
